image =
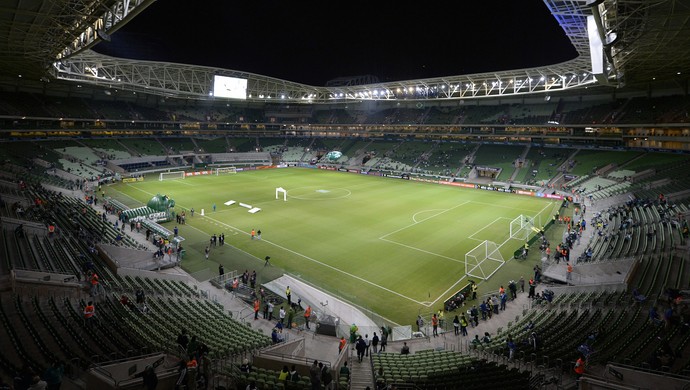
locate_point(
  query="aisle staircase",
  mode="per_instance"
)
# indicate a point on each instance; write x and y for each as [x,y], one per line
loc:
[361,374]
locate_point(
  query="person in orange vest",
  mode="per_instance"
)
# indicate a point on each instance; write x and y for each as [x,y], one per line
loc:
[187,373]
[253,233]
[579,367]
[434,324]
[307,316]
[569,274]
[341,344]
[89,312]
[257,306]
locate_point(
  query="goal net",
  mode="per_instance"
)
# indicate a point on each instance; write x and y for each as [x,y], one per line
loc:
[171,175]
[484,260]
[224,170]
[521,227]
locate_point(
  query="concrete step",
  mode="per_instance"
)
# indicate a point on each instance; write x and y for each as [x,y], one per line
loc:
[361,374]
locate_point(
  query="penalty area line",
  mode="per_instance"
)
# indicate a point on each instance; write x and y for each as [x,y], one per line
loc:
[422,250]
[327,266]
[424,219]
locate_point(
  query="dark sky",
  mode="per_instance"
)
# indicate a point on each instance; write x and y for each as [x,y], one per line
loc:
[312,42]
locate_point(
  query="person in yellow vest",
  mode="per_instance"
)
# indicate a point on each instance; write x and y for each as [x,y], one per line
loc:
[288,294]
[441,318]
[474,290]
[284,373]
[307,316]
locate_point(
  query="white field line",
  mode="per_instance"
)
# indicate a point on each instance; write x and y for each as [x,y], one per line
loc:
[307,258]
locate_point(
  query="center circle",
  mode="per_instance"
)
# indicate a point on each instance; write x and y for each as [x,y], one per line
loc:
[318,193]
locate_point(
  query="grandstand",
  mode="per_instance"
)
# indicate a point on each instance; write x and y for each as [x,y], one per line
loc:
[609,143]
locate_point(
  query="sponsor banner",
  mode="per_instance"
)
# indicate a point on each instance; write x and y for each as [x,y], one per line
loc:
[457,184]
[569,177]
[353,170]
[132,179]
[421,179]
[198,173]
[554,196]
[157,217]
[488,169]
[523,192]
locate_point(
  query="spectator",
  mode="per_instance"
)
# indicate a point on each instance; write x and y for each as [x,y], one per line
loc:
[345,371]
[360,346]
[511,347]
[534,341]
[284,374]
[246,367]
[37,383]
[53,375]
[579,367]
[294,375]
[654,315]
[275,336]
[89,313]
[341,344]
[405,349]
[326,378]
[315,376]
[183,339]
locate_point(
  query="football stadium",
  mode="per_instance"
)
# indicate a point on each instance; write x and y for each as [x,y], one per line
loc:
[168,225]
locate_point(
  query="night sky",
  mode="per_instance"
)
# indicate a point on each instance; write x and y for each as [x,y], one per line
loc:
[312,42]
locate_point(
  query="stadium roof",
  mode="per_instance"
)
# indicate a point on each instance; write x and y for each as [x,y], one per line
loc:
[643,43]
[34,33]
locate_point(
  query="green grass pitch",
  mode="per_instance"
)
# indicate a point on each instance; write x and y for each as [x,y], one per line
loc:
[392,246]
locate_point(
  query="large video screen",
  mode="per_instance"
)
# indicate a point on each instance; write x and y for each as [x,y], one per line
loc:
[229,87]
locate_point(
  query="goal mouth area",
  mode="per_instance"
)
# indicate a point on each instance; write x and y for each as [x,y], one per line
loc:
[521,227]
[483,260]
[176,175]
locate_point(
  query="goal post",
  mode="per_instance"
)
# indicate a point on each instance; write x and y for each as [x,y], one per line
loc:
[224,170]
[171,175]
[483,260]
[281,190]
[521,227]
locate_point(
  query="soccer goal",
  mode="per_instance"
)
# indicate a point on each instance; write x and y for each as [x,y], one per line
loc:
[281,190]
[484,260]
[171,175]
[224,170]
[521,227]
